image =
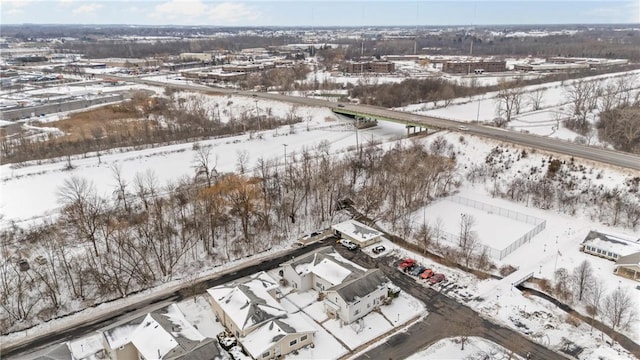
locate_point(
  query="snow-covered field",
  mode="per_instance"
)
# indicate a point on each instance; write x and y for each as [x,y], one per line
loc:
[475,348]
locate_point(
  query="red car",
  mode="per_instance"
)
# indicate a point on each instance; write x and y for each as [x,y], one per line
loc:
[436,278]
[426,274]
[407,263]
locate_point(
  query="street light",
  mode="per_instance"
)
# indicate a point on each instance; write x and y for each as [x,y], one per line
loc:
[285,157]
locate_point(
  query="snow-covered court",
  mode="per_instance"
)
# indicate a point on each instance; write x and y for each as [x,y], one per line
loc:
[492,229]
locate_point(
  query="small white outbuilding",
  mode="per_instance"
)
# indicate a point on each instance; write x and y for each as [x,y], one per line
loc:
[357,232]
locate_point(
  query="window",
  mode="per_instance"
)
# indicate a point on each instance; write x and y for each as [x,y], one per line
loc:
[303,338]
[368,305]
[266,354]
[357,312]
[293,342]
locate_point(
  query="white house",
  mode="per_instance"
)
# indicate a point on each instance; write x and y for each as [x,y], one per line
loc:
[357,232]
[356,298]
[248,309]
[608,246]
[351,291]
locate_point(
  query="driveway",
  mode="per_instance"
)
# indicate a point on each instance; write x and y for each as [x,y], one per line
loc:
[446,318]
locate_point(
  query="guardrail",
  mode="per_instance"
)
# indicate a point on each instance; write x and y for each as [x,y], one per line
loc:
[523,279]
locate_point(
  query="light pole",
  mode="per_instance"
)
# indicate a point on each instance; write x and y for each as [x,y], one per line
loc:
[258,116]
[285,158]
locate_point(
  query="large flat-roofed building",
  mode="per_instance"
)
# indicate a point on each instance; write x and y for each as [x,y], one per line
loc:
[357,232]
[356,67]
[467,67]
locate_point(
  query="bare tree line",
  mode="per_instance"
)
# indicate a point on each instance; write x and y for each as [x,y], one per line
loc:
[616,307]
[144,234]
[158,121]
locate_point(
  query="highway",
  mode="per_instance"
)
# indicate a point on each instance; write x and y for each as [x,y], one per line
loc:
[616,158]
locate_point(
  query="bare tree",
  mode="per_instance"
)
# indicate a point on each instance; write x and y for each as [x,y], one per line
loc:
[594,298]
[242,160]
[535,98]
[202,163]
[508,101]
[582,278]
[562,284]
[620,309]
[121,187]
[82,208]
[467,239]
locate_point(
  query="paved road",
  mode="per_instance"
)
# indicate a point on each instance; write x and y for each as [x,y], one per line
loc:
[446,318]
[621,159]
[31,346]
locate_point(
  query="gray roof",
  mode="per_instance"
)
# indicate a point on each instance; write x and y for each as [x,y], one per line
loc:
[631,259]
[362,286]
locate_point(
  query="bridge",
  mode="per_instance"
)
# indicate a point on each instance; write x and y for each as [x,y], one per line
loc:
[606,156]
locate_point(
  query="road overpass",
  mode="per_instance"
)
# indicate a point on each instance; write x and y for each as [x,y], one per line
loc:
[616,158]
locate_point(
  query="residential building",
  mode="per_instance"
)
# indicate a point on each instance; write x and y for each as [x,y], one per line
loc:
[357,233]
[248,309]
[350,291]
[354,299]
[629,266]
[610,247]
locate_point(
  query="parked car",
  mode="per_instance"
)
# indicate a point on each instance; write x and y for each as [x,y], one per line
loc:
[407,263]
[348,244]
[418,270]
[378,249]
[427,273]
[436,278]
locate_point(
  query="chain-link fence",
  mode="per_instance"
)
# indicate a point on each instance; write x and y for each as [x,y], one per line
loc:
[540,224]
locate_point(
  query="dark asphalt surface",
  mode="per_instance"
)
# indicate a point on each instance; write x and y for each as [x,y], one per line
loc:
[446,318]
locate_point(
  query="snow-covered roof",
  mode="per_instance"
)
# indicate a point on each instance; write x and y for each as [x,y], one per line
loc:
[328,265]
[86,347]
[263,338]
[167,333]
[152,340]
[120,335]
[247,301]
[612,243]
[358,288]
[356,230]
[331,271]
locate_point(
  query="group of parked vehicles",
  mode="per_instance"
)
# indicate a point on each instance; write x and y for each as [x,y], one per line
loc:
[410,266]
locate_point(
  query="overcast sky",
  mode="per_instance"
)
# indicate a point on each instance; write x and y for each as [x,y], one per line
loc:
[318,13]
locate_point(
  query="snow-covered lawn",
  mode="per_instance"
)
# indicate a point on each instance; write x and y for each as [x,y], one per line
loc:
[475,348]
[325,345]
[359,332]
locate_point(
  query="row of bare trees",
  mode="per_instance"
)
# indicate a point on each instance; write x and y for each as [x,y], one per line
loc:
[582,286]
[143,234]
[158,121]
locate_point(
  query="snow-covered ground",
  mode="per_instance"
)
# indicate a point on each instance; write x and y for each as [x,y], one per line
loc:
[475,348]
[554,107]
